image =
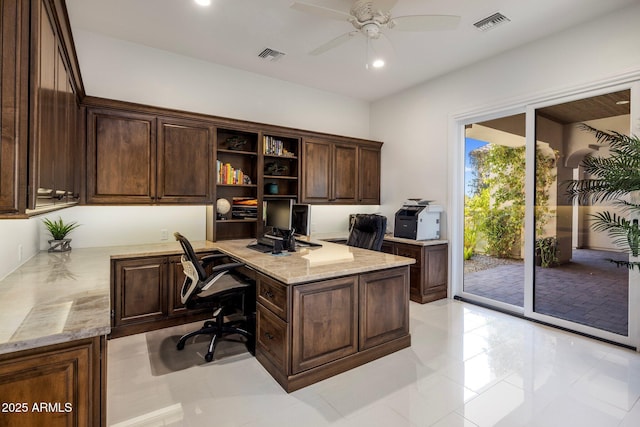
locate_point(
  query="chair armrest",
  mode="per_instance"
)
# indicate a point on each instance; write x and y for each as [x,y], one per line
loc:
[226,267]
[205,260]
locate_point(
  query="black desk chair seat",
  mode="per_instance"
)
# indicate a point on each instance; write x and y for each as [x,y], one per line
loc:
[220,290]
[367,231]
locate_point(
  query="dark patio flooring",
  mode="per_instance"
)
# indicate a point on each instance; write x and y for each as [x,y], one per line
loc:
[589,290]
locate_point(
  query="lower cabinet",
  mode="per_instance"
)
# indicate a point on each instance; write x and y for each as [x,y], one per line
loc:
[429,275]
[312,331]
[324,322]
[145,295]
[57,385]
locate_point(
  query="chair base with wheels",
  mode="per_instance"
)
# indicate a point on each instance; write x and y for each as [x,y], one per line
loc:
[218,330]
[221,288]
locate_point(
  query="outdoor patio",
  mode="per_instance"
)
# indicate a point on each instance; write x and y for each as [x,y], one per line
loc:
[589,290]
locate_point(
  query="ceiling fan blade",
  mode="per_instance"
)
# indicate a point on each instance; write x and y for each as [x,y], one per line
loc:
[323,12]
[334,43]
[425,22]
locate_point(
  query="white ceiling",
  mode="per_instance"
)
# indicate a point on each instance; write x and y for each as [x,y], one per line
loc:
[233,32]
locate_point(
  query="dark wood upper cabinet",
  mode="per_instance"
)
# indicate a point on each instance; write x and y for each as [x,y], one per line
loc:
[185,159]
[14,93]
[54,108]
[345,173]
[144,158]
[369,175]
[40,91]
[317,168]
[121,157]
[340,172]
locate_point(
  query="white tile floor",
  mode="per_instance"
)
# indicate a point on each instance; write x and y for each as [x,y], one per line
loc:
[467,366]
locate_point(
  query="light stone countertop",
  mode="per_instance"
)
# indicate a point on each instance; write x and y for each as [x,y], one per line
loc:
[391,238]
[310,264]
[61,297]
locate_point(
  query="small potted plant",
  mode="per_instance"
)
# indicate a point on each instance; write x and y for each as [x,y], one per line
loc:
[59,230]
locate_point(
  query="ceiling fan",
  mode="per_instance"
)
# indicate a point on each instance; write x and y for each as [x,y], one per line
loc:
[370,17]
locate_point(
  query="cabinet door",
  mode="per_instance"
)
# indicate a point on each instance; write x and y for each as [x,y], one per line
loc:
[53,109]
[369,175]
[316,166]
[44,101]
[436,260]
[417,273]
[14,66]
[185,162]
[139,290]
[272,339]
[121,157]
[345,173]
[67,379]
[324,322]
[384,306]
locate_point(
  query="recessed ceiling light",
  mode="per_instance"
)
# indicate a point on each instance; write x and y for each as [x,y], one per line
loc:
[378,63]
[203,2]
[622,102]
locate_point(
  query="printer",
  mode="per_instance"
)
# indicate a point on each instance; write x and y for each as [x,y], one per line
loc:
[418,220]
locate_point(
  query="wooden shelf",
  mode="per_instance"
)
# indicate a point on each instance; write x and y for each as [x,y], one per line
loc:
[238,185]
[234,220]
[238,152]
[280,196]
[280,177]
[275,156]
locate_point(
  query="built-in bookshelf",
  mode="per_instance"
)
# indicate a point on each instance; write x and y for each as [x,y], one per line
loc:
[280,166]
[235,213]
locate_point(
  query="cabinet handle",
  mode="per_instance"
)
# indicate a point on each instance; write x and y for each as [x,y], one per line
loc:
[268,294]
[269,336]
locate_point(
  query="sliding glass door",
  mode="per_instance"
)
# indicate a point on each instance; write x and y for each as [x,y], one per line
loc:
[494,209]
[526,244]
[578,280]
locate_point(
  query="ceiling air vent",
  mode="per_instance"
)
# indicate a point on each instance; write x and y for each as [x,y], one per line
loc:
[270,54]
[491,22]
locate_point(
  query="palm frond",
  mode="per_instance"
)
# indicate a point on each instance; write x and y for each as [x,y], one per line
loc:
[624,232]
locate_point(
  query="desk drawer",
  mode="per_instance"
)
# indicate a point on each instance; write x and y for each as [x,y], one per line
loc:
[273,295]
[410,251]
[271,338]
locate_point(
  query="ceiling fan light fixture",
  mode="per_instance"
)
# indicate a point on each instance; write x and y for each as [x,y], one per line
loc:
[374,61]
[378,63]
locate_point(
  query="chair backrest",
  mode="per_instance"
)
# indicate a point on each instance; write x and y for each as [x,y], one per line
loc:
[368,231]
[190,254]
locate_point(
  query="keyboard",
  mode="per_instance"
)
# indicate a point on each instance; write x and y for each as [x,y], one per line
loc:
[260,247]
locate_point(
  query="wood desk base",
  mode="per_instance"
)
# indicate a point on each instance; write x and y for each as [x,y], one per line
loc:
[295,382]
[309,332]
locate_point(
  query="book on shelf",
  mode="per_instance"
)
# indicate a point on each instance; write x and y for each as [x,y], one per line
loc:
[227,174]
[275,147]
[244,208]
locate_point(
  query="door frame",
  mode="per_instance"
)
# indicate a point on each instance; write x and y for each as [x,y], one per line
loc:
[528,105]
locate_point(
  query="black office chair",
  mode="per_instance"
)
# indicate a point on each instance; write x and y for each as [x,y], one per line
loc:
[220,290]
[367,231]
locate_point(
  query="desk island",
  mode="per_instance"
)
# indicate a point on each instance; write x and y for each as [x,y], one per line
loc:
[323,311]
[320,312]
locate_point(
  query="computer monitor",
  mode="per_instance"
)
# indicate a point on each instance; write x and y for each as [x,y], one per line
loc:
[277,214]
[301,219]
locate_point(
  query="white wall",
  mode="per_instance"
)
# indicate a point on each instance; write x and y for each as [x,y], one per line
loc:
[20,241]
[414,124]
[121,70]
